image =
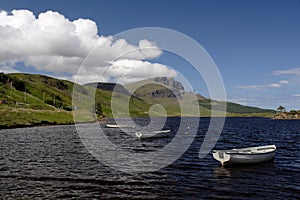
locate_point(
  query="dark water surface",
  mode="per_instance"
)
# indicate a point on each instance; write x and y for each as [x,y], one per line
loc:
[51,163]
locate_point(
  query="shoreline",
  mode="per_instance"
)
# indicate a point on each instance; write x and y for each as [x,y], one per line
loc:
[105,120]
[285,119]
[3,127]
[14,126]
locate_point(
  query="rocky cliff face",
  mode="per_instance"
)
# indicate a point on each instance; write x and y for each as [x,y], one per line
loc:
[170,88]
[165,93]
[170,82]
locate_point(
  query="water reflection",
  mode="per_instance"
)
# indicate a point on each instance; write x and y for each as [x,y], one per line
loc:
[238,171]
[221,172]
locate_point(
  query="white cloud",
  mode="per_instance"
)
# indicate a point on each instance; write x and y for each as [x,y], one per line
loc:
[274,85]
[7,69]
[50,42]
[254,87]
[279,84]
[293,71]
[138,70]
[244,101]
[126,71]
[284,82]
[296,95]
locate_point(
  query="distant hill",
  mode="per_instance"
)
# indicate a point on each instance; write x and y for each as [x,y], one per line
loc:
[234,108]
[167,90]
[113,87]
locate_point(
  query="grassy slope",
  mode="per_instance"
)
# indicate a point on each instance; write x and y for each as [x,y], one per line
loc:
[234,109]
[26,117]
[48,90]
[28,108]
[137,107]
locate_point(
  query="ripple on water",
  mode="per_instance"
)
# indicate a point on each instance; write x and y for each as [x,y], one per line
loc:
[51,162]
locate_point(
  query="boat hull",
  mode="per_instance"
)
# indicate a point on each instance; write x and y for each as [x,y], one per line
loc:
[248,155]
[249,159]
[154,134]
[118,126]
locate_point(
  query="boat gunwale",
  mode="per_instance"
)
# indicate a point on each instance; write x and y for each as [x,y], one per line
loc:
[269,148]
[250,153]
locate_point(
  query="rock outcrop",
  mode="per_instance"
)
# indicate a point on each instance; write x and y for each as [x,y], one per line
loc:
[287,115]
[170,82]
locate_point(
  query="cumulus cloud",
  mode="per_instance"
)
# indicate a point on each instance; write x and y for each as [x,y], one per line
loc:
[279,84]
[50,42]
[138,70]
[126,71]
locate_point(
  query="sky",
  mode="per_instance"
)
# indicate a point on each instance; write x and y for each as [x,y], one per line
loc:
[254,44]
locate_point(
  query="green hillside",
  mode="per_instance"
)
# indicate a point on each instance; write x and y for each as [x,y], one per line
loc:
[234,109]
[34,99]
[31,99]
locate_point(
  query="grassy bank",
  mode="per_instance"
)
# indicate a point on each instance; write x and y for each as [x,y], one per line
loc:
[11,118]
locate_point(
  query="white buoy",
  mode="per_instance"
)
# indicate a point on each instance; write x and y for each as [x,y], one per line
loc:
[187,131]
[138,135]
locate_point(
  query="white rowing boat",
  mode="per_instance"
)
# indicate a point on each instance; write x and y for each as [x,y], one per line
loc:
[153,134]
[161,131]
[118,126]
[245,155]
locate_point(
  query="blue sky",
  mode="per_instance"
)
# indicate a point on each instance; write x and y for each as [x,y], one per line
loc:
[255,44]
